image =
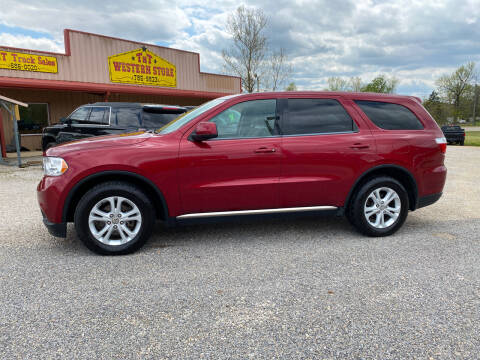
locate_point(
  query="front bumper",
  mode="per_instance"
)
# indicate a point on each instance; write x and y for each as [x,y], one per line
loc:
[57,230]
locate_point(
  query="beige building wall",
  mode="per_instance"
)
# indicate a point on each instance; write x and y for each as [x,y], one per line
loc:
[88,62]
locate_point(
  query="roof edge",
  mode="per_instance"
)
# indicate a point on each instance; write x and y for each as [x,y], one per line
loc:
[102,88]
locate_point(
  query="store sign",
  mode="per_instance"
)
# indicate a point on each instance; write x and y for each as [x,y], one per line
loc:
[28,62]
[142,67]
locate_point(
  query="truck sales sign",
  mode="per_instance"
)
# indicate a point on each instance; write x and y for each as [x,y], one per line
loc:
[28,62]
[142,67]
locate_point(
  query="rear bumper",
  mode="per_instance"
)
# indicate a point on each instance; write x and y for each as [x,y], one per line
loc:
[57,230]
[455,138]
[428,200]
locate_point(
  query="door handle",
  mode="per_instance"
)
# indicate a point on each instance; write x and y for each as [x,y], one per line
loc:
[359,146]
[264,149]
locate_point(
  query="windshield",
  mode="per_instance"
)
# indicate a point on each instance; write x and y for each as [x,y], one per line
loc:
[188,116]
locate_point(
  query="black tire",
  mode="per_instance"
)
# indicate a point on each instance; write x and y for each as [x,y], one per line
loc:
[462,143]
[103,191]
[355,211]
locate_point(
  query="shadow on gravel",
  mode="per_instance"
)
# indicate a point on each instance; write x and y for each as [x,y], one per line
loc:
[327,229]
[233,231]
[249,230]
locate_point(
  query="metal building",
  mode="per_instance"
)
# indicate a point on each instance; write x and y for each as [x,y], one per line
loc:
[100,68]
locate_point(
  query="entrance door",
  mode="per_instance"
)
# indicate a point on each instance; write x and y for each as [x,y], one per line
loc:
[238,170]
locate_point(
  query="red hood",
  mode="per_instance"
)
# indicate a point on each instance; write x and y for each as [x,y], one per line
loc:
[99,142]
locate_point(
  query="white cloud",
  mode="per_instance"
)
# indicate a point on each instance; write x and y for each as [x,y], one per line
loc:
[146,21]
[28,42]
[416,41]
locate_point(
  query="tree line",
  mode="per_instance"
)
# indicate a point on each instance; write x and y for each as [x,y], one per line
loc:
[380,84]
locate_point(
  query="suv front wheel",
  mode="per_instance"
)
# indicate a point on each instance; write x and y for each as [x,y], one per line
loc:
[114,218]
[379,207]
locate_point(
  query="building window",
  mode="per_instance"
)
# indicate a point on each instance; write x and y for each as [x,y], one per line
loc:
[33,118]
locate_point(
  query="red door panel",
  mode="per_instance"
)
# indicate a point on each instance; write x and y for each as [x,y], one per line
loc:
[321,169]
[227,175]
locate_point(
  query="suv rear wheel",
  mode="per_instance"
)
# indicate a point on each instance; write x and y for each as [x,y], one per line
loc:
[114,218]
[379,207]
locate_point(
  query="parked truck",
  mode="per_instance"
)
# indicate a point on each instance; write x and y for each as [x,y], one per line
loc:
[454,134]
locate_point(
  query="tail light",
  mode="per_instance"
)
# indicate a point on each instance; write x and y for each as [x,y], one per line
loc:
[442,144]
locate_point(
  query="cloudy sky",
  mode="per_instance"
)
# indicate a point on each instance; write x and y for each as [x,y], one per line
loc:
[413,40]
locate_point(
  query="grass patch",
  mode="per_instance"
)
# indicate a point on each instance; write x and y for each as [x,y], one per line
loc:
[472,138]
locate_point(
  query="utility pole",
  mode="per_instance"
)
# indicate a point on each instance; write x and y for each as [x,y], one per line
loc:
[475,99]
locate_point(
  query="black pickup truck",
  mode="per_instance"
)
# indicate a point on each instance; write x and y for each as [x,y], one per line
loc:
[105,118]
[454,134]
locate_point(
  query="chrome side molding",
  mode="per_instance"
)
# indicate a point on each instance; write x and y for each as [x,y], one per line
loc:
[256,212]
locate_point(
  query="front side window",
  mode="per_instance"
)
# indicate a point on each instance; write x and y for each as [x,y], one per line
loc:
[99,115]
[316,116]
[189,116]
[249,119]
[80,115]
[390,116]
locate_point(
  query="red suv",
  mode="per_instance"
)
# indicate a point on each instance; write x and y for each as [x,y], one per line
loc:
[369,157]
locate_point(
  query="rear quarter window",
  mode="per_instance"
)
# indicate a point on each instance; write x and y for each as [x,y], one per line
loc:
[128,117]
[157,120]
[390,116]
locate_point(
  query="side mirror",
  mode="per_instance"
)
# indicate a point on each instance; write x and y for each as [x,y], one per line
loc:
[64,120]
[204,131]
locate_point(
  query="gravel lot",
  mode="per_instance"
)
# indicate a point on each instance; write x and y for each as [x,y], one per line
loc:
[303,288]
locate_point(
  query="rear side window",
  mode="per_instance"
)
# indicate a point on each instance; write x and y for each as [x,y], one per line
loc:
[316,116]
[390,116]
[128,117]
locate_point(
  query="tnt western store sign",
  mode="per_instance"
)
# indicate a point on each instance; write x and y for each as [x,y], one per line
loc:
[142,67]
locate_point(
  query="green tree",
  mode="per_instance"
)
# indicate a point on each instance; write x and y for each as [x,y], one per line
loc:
[291,87]
[436,108]
[381,84]
[455,86]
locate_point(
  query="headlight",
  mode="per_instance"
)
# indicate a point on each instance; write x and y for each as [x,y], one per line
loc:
[54,166]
